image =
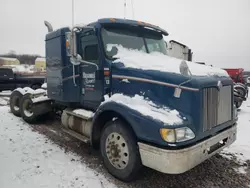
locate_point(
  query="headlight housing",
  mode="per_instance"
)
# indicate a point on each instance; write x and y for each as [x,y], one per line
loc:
[177,135]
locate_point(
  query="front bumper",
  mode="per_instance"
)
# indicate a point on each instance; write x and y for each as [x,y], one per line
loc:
[182,160]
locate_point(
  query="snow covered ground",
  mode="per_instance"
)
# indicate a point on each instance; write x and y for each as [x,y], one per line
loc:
[241,147]
[5,93]
[29,160]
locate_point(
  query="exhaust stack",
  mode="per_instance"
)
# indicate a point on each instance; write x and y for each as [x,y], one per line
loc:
[49,26]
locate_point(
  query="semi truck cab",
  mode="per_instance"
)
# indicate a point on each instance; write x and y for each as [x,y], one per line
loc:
[121,92]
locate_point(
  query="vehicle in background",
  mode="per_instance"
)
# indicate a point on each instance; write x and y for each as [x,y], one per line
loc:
[246,77]
[238,96]
[236,74]
[179,50]
[10,80]
[240,84]
[248,81]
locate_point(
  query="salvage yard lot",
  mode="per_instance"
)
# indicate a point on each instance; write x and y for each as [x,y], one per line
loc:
[41,155]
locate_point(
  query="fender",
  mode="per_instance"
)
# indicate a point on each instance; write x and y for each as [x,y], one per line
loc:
[117,109]
[145,128]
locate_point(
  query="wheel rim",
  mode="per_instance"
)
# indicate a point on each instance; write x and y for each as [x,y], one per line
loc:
[15,103]
[27,106]
[117,150]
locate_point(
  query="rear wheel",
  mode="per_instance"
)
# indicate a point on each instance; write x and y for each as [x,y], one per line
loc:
[26,109]
[15,99]
[120,151]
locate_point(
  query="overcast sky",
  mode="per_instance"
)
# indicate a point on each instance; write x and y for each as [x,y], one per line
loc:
[218,31]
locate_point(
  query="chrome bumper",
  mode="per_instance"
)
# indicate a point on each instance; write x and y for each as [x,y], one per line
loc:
[179,161]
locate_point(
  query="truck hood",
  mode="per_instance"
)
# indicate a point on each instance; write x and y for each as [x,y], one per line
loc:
[168,79]
[157,82]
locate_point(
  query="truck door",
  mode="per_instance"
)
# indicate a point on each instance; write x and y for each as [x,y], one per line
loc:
[92,78]
[7,79]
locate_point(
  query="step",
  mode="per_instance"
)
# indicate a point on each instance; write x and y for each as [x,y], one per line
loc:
[77,135]
[81,113]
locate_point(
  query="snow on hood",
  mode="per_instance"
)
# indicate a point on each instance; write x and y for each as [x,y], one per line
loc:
[147,108]
[160,62]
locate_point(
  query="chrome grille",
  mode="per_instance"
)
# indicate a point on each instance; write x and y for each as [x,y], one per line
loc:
[216,106]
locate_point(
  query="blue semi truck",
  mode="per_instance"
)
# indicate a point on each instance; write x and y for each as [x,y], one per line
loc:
[107,80]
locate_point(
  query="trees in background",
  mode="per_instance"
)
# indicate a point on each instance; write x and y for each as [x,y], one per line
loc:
[23,58]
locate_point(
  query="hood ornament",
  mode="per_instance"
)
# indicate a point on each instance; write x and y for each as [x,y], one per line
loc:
[219,85]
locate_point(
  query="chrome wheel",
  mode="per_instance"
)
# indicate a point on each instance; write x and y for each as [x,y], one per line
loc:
[117,150]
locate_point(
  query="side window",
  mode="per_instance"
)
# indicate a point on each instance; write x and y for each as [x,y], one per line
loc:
[91,53]
[89,47]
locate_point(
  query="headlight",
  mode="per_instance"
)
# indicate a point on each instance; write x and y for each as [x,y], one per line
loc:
[177,135]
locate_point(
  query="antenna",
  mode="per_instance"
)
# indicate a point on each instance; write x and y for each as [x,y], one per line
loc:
[73,11]
[125,9]
[132,4]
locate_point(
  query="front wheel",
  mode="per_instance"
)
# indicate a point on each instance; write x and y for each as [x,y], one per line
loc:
[26,109]
[120,151]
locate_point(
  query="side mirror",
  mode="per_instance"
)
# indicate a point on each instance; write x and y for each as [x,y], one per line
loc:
[71,42]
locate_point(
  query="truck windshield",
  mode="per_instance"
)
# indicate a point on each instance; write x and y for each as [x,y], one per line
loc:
[133,38]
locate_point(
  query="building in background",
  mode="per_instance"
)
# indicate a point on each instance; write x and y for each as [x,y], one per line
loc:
[9,61]
[40,64]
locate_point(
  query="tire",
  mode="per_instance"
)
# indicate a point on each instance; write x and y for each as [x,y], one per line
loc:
[26,113]
[238,104]
[242,91]
[118,143]
[15,99]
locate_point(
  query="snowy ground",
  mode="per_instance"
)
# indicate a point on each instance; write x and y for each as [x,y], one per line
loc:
[29,160]
[34,156]
[241,148]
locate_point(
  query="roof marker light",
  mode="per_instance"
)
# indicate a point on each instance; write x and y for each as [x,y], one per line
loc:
[112,19]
